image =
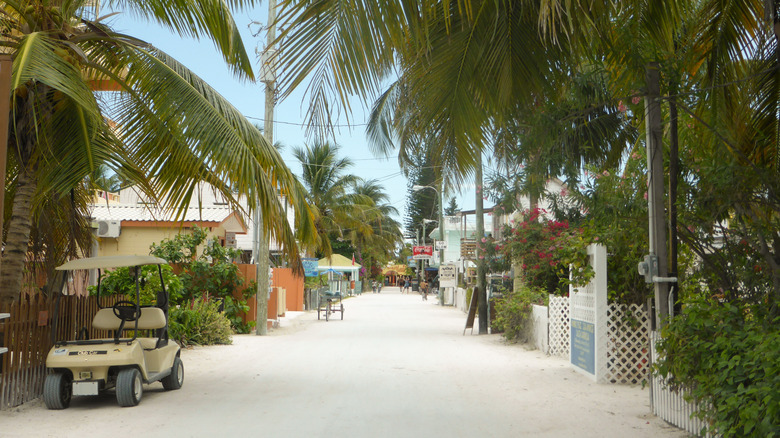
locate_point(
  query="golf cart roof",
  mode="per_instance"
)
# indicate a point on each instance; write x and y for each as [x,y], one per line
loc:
[111,262]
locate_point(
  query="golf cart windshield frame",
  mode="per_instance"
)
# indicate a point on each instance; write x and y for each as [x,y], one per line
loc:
[135,262]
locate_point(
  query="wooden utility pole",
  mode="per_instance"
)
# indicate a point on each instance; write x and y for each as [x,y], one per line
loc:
[655,190]
[479,211]
[262,261]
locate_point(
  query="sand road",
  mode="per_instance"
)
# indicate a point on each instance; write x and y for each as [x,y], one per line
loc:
[395,366]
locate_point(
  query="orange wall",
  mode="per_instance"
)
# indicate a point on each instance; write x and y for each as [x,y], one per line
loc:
[284,278]
[293,284]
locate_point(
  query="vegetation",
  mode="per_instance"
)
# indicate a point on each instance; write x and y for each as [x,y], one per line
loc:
[212,275]
[728,360]
[63,54]
[199,322]
[352,216]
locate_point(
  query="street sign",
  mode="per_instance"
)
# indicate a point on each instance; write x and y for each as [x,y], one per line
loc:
[448,275]
[411,262]
[441,244]
[422,252]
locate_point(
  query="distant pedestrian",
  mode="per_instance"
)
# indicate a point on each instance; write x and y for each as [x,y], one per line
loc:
[402,284]
[407,284]
[424,290]
[373,286]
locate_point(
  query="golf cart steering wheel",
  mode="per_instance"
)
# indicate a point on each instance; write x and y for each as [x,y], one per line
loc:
[126,310]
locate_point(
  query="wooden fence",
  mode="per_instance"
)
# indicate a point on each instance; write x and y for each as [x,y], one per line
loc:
[27,334]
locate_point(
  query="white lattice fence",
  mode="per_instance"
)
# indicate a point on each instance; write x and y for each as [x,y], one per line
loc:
[628,333]
[628,344]
[559,326]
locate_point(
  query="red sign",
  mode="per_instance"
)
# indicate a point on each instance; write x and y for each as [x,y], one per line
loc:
[422,252]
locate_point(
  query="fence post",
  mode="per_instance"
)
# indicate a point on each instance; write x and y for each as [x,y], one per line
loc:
[4,316]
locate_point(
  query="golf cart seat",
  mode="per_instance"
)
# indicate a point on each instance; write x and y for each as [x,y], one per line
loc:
[151,318]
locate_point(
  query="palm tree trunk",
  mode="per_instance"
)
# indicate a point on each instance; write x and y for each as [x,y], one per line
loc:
[15,252]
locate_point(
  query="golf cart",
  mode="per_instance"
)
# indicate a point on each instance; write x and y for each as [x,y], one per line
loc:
[91,366]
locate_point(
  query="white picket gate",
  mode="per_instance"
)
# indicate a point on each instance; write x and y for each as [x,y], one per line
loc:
[671,405]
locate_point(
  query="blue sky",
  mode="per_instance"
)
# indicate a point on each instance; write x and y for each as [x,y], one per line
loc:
[202,58]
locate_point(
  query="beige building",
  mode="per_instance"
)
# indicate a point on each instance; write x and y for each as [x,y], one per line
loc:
[127,229]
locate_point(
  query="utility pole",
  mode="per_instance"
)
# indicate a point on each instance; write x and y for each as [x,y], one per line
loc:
[261,236]
[440,192]
[655,193]
[482,297]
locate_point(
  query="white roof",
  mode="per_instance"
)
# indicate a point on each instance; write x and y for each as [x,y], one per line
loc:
[111,262]
[126,212]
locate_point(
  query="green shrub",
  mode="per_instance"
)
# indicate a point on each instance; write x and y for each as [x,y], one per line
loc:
[120,282]
[513,312]
[199,322]
[728,359]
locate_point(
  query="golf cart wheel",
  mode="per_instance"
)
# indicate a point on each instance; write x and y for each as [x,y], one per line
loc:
[342,312]
[129,387]
[176,378]
[57,390]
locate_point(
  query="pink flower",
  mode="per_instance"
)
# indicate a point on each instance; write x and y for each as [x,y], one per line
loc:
[622,107]
[564,192]
[484,240]
[636,99]
[645,196]
[606,173]
[596,238]
[481,257]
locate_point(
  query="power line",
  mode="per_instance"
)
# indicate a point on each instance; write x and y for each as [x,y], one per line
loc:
[305,125]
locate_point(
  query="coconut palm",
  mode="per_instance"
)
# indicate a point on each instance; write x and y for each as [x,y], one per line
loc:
[334,205]
[384,233]
[168,131]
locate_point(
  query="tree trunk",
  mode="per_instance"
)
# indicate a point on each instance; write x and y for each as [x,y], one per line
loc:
[15,252]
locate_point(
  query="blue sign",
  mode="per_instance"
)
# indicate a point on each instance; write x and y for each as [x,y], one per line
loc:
[583,345]
[411,262]
[310,267]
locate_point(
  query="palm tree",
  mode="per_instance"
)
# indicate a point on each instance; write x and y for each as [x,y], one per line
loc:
[334,206]
[173,130]
[383,234]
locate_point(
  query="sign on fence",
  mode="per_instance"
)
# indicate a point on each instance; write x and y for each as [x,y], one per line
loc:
[310,267]
[588,319]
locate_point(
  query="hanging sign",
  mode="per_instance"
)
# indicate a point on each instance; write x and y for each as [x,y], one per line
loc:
[448,275]
[422,252]
[441,245]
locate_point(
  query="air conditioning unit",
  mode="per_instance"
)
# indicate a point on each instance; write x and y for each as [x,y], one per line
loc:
[108,228]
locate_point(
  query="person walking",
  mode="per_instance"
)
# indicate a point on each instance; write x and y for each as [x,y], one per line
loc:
[402,285]
[424,290]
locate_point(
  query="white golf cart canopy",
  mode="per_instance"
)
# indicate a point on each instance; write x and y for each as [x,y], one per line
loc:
[105,262]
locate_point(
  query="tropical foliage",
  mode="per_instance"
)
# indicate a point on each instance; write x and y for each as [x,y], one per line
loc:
[159,127]
[351,215]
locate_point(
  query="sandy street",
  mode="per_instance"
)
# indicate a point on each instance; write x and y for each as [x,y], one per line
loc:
[396,366]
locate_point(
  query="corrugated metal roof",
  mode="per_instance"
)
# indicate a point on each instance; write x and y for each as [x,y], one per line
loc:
[125,212]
